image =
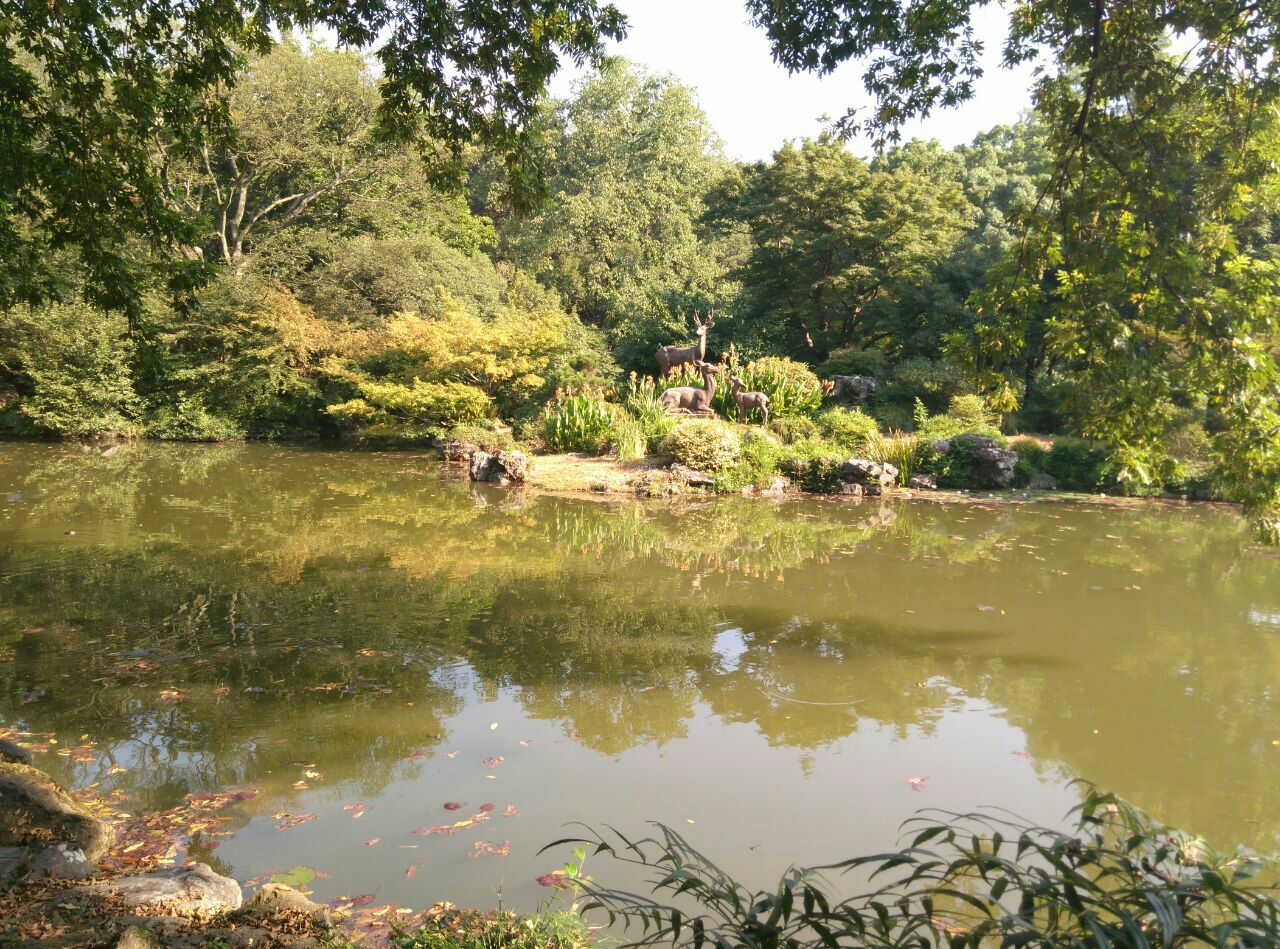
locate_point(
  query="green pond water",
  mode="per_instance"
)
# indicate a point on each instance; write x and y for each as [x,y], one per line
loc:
[764,676]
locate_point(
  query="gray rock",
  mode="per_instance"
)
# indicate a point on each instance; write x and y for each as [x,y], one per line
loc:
[458,450]
[857,388]
[864,472]
[190,889]
[61,861]
[852,489]
[777,487]
[277,898]
[34,809]
[13,864]
[923,482]
[481,465]
[135,937]
[993,466]
[1042,481]
[692,476]
[513,464]
[14,753]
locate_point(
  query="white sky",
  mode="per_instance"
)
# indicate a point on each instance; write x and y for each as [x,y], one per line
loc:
[755,105]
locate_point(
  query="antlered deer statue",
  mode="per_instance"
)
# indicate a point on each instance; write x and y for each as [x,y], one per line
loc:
[668,357]
[690,400]
[750,400]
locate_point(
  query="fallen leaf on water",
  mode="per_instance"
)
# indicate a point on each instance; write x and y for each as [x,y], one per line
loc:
[355,810]
[373,652]
[1021,754]
[511,811]
[222,690]
[408,874]
[523,743]
[985,607]
[493,762]
[452,806]
[451,754]
[917,783]
[493,726]
[295,876]
[172,695]
[370,843]
[688,820]
[286,820]
[482,849]
[485,808]
[301,785]
[554,878]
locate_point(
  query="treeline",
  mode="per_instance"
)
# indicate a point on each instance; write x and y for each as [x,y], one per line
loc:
[360,287]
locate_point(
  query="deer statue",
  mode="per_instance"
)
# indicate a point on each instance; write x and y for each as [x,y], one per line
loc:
[749,400]
[668,357]
[690,400]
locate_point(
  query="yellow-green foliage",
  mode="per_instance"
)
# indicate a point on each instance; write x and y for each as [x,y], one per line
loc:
[851,429]
[705,444]
[71,366]
[390,408]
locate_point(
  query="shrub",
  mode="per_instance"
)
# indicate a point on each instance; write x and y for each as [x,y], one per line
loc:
[580,421]
[934,382]
[757,465]
[967,415]
[704,444]
[471,929]
[418,410]
[1031,459]
[794,428]
[851,429]
[1116,878]
[813,464]
[1076,465]
[486,438]
[189,420]
[854,362]
[70,366]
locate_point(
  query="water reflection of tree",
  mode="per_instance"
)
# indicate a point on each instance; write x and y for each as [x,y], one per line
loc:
[269,570]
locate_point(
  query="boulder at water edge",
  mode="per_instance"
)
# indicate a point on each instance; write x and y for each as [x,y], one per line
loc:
[36,812]
[14,753]
[868,473]
[190,889]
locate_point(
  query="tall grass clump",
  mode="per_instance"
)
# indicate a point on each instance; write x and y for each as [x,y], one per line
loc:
[1115,878]
[905,451]
[643,402]
[578,421]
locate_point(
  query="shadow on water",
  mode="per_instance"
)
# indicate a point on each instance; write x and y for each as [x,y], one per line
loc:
[214,617]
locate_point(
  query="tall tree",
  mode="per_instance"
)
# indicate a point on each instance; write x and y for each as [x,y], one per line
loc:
[90,88]
[831,233]
[630,158]
[1156,158]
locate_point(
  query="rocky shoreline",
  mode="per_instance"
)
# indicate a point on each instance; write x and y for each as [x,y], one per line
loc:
[64,881]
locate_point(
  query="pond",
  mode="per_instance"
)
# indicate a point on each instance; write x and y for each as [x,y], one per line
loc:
[363,638]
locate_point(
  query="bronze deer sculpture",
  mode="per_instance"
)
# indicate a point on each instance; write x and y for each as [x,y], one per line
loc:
[690,400]
[749,400]
[668,357]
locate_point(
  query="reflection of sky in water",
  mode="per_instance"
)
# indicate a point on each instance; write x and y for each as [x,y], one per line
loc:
[1264,617]
[764,678]
[728,647]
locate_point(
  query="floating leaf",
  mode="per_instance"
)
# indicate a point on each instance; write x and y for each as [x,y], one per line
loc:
[370,843]
[917,784]
[482,849]
[286,821]
[494,762]
[485,808]
[294,877]
[355,810]
[511,811]
[985,607]
[493,727]
[554,878]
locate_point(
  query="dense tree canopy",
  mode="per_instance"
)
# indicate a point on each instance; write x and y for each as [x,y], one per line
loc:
[98,96]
